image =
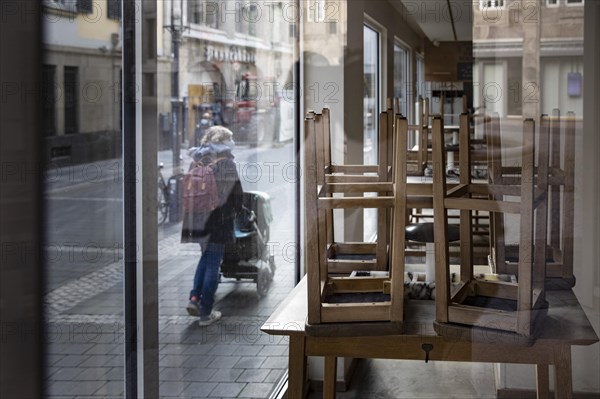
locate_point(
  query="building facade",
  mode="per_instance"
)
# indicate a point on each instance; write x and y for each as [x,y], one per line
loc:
[81,76]
[233,66]
[528,56]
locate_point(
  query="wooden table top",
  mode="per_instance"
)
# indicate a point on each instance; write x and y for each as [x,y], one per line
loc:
[566,321]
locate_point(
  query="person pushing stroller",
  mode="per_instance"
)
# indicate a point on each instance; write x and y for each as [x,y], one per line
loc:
[212,198]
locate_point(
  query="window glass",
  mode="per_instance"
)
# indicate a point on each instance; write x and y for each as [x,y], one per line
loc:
[371,73]
[371,93]
[236,79]
[521,71]
[49,99]
[83,185]
[224,88]
[401,77]
[421,84]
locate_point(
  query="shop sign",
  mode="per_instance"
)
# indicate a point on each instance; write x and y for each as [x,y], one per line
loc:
[231,54]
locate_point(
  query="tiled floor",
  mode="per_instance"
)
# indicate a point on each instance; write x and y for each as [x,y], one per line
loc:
[388,379]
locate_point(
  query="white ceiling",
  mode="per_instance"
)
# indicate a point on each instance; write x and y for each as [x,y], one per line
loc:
[434,19]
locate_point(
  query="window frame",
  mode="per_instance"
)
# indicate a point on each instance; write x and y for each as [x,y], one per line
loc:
[408,74]
[575,3]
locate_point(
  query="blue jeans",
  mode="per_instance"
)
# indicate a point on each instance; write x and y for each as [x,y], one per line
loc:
[206,278]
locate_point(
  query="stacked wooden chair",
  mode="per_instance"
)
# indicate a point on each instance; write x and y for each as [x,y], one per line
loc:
[559,252]
[344,289]
[344,257]
[417,159]
[492,304]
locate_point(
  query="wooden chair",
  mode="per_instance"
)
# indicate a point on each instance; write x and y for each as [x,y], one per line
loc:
[345,290]
[373,255]
[559,252]
[498,305]
[417,159]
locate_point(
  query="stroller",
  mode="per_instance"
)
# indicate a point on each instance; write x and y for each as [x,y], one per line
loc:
[248,257]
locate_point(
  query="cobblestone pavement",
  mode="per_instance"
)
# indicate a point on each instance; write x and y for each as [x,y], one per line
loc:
[84,332]
[232,358]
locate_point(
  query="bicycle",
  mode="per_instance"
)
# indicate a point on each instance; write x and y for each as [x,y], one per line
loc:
[162,203]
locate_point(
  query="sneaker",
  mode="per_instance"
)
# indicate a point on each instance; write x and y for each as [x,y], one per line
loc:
[214,316]
[193,307]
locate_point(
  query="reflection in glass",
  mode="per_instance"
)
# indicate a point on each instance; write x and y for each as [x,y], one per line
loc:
[401,78]
[371,93]
[371,76]
[235,69]
[83,300]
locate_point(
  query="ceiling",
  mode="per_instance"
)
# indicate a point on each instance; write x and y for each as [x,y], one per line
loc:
[435,20]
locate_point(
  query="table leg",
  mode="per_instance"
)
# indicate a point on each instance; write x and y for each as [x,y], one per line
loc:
[297,367]
[542,381]
[329,379]
[563,381]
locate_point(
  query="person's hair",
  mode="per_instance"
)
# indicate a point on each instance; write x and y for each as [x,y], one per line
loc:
[217,134]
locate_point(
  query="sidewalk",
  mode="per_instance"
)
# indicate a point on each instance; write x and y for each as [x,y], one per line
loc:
[230,359]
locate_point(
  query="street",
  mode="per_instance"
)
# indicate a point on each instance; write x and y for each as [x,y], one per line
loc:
[84,207]
[84,287]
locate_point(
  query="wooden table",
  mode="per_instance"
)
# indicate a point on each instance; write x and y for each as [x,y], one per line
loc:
[566,325]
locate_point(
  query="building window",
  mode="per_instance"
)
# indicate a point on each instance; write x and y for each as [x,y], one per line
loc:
[113,9]
[401,77]
[252,16]
[420,76]
[332,28]
[574,2]
[71,89]
[63,5]
[239,20]
[85,6]
[371,96]
[551,3]
[204,13]
[371,91]
[49,99]
[484,4]
[151,38]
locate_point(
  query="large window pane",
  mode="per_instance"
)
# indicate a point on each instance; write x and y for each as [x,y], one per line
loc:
[371,73]
[233,68]
[401,78]
[371,93]
[83,295]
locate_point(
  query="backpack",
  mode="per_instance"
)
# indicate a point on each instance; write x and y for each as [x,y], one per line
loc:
[200,193]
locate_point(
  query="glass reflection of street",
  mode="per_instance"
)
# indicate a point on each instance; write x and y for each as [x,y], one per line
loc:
[84,288]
